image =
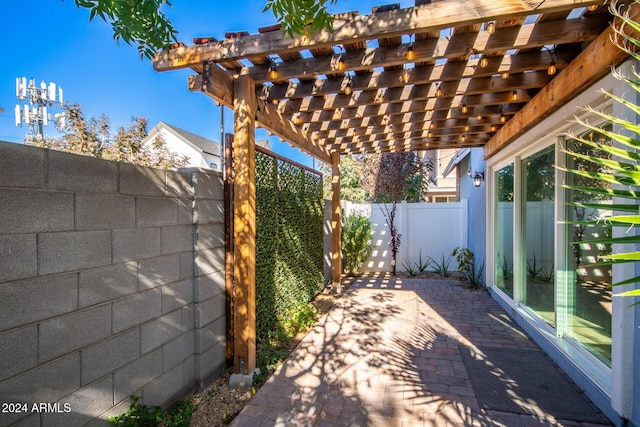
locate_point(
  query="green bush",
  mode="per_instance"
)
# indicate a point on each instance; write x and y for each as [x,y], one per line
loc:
[356,242]
[138,415]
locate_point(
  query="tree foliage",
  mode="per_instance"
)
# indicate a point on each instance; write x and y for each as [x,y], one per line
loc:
[303,17]
[136,22]
[142,23]
[92,137]
[382,178]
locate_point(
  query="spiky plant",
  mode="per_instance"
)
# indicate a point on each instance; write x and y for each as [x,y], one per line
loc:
[614,169]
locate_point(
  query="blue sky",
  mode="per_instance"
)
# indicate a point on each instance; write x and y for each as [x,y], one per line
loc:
[53,40]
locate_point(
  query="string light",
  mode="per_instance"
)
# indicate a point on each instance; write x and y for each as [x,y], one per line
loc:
[491,27]
[514,95]
[438,91]
[411,55]
[405,76]
[273,71]
[484,62]
[464,109]
[348,90]
[505,75]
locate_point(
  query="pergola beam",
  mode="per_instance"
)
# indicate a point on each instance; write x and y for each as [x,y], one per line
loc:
[461,45]
[219,85]
[425,18]
[430,73]
[594,62]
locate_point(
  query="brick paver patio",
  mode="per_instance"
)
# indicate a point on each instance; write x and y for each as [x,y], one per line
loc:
[388,354]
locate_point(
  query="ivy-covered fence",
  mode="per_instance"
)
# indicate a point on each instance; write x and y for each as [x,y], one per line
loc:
[289,240]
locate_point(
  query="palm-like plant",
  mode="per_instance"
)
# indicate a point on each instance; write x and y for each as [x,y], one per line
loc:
[614,171]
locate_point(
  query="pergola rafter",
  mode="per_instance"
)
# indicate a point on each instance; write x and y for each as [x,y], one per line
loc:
[427,77]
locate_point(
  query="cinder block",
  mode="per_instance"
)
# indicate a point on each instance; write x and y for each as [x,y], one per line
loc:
[210,310]
[21,166]
[185,211]
[188,317]
[209,236]
[33,300]
[136,309]
[209,261]
[189,368]
[209,286]
[208,185]
[30,211]
[159,331]
[151,212]
[119,408]
[30,421]
[129,379]
[76,250]
[104,211]
[178,350]
[73,172]
[48,382]
[154,272]
[165,387]
[210,335]
[209,211]
[135,244]
[210,361]
[18,257]
[177,295]
[107,283]
[177,239]
[186,265]
[73,331]
[19,351]
[86,404]
[141,181]
[109,355]
[179,184]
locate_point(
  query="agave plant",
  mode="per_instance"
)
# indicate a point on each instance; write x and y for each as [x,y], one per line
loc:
[615,170]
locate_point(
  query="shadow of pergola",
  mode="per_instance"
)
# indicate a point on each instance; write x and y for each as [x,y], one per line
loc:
[388,353]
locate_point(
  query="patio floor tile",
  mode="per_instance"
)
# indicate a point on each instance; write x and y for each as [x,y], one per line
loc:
[388,354]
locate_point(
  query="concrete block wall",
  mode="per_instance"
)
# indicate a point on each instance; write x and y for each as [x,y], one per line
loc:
[111,285]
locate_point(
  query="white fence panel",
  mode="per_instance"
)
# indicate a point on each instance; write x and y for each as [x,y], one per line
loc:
[427,230]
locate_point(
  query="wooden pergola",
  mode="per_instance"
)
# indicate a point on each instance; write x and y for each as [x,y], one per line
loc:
[447,74]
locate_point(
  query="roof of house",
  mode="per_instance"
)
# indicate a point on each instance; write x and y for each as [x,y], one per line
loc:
[206,145]
[457,158]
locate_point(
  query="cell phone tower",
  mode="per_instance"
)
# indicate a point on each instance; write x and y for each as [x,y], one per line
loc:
[35,112]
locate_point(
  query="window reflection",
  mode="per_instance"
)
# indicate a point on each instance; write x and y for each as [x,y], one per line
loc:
[504,230]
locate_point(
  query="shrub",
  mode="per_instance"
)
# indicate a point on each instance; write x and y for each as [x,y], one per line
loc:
[356,242]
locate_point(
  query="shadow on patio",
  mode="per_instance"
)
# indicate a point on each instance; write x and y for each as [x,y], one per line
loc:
[423,352]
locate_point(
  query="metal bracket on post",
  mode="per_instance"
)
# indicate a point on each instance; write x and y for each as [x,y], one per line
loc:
[206,67]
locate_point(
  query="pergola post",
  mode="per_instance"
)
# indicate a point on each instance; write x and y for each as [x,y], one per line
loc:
[244,220]
[336,260]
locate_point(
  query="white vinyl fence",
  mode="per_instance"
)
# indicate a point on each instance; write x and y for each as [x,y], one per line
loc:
[427,230]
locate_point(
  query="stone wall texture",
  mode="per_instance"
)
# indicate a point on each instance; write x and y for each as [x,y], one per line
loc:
[111,285]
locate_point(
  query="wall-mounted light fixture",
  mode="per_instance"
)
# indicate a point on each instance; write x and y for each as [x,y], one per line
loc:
[478,179]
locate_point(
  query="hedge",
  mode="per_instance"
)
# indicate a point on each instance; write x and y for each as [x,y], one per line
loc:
[289,240]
